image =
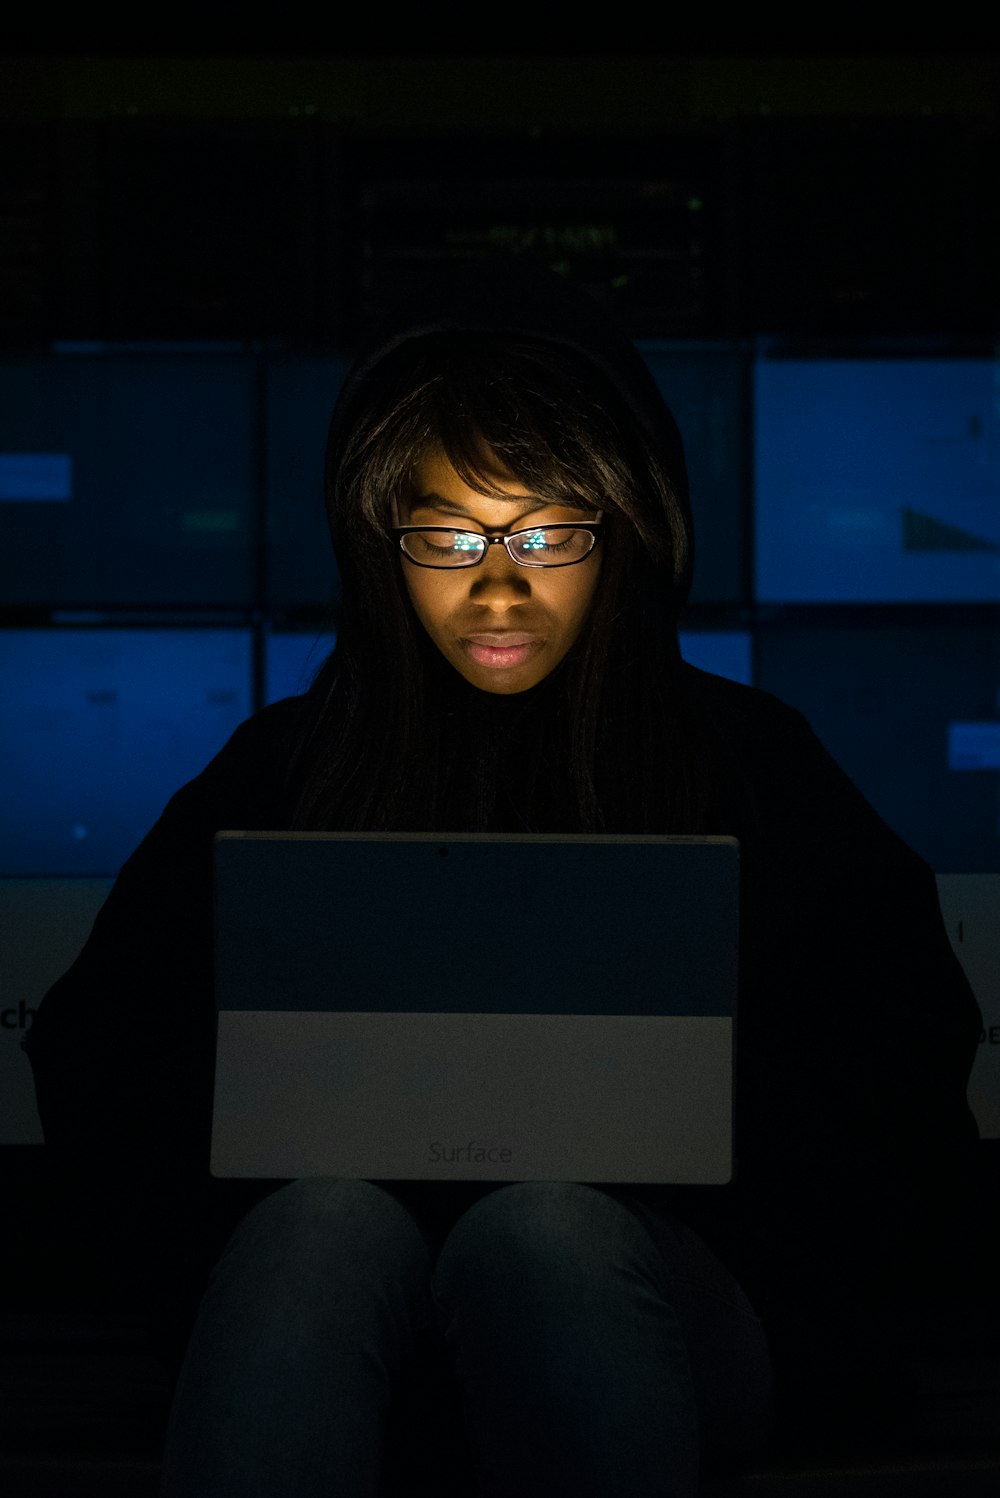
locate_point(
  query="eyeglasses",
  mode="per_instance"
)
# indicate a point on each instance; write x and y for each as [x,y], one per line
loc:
[541,546]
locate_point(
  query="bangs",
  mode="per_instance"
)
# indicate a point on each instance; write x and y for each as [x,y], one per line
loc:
[508,409]
[486,453]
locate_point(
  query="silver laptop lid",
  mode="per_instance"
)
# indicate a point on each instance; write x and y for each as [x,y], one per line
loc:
[475,1007]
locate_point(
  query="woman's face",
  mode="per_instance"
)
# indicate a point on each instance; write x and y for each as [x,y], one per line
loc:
[503,626]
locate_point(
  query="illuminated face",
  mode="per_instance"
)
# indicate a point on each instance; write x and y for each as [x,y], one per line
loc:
[503,626]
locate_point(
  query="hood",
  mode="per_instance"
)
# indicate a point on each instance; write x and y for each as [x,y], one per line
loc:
[522,296]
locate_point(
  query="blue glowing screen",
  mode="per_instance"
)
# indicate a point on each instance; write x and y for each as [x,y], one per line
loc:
[98,728]
[911,712]
[876,480]
[300,392]
[724,652]
[127,479]
[291,660]
[706,387]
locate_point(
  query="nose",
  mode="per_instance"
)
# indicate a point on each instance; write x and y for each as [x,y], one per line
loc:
[498,582]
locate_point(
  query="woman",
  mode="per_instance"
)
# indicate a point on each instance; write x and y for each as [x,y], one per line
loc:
[508,506]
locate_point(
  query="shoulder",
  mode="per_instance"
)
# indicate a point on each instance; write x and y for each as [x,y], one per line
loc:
[271,732]
[165,883]
[272,729]
[784,785]
[756,717]
[248,783]
[253,764]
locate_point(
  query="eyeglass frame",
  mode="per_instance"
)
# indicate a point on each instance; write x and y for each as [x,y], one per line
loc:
[500,538]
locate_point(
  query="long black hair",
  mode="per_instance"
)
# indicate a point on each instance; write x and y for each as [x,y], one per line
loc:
[393,738]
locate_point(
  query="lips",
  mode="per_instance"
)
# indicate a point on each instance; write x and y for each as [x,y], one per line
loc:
[501,649]
[502,639]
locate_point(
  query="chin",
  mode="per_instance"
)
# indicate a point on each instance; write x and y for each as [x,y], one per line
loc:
[506,689]
[500,683]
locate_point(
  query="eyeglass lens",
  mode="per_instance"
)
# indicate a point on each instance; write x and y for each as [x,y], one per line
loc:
[547,546]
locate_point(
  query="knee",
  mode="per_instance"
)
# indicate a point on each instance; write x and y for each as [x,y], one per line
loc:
[326,1223]
[539,1237]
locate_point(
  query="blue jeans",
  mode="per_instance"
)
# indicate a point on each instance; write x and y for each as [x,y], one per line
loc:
[545,1344]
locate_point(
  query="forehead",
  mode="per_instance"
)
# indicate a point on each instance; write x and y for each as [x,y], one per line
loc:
[434,475]
[436,492]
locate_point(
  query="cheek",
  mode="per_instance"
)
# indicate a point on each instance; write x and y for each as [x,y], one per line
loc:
[570,601]
[430,595]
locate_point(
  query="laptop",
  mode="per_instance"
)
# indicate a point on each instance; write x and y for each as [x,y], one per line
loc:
[475,1007]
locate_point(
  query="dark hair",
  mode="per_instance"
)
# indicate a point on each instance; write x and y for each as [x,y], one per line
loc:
[394,739]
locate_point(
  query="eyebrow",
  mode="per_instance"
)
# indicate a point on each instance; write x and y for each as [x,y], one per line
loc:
[432,501]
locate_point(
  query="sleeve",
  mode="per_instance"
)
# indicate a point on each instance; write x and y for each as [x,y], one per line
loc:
[122,1047]
[859,1021]
[859,1189]
[857,1034]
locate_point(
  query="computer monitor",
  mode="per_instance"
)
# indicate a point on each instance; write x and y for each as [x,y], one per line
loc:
[876,480]
[127,479]
[98,728]
[300,391]
[706,386]
[909,709]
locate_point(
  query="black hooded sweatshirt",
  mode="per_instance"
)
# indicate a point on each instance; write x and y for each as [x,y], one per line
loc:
[857,1155]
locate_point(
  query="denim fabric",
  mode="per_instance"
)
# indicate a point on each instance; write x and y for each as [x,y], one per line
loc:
[550,1340]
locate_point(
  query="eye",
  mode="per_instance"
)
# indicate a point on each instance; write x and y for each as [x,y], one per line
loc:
[432,540]
[448,541]
[549,543]
[437,546]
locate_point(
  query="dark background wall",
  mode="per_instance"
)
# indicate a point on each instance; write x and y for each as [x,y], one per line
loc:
[197,219]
